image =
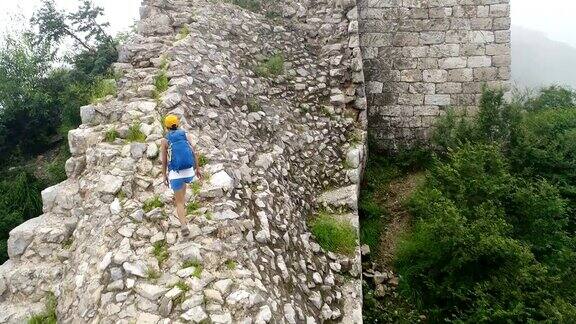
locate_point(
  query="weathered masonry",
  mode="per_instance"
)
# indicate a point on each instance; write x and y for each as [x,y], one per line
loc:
[423,56]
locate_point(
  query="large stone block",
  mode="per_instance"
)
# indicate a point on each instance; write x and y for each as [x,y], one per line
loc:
[437,100]
[435,76]
[452,63]
[22,236]
[79,140]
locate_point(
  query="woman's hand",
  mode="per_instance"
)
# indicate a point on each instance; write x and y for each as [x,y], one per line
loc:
[166,182]
[198,174]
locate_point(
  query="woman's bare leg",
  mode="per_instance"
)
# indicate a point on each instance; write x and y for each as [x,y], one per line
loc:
[180,198]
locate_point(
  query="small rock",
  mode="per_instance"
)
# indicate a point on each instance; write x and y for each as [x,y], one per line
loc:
[223,286]
[150,292]
[221,318]
[165,307]
[173,293]
[106,260]
[264,315]
[213,295]
[146,318]
[289,314]
[137,269]
[152,151]
[196,314]
[137,150]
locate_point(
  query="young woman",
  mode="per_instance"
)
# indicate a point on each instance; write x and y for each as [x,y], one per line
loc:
[179,165]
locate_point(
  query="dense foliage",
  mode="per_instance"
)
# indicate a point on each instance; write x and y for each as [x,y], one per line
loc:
[41,92]
[494,234]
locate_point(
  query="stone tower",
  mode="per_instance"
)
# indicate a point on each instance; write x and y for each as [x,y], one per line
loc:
[423,56]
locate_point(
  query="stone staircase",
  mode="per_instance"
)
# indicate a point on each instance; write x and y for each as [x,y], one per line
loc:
[109,245]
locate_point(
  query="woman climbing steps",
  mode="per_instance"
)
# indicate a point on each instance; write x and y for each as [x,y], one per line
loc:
[179,166]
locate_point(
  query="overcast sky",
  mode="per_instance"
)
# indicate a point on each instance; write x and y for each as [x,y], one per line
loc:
[556,18]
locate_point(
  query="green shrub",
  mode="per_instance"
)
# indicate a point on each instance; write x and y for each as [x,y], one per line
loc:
[545,146]
[135,134]
[272,66]
[160,251]
[552,97]
[56,170]
[334,235]
[49,314]
[152,203]
[486,246]
[494,124]
[103,88]
[111,135]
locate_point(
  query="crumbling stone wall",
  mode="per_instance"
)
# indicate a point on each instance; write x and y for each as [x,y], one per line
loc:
[278,148]
[423,56]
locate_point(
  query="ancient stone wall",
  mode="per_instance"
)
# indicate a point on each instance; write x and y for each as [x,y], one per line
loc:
[423,56]
[278,149]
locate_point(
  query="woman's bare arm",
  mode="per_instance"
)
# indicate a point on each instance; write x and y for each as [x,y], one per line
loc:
[197,167]
[164,158]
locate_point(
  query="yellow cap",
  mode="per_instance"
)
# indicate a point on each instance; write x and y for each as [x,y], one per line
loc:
[170,121]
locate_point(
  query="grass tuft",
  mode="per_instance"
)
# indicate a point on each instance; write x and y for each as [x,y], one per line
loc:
[192,207]
[198,271]
[254,105]
[161,81]
[152,203]
[49,314]
[196,265]
[196,187]
[135,134]
[183,286]
[111,135]
[152,274]
[231,264]
[202,160]
[272,66]
[334,235]
[67,243]
[190,263]
[183,33]
[161,251]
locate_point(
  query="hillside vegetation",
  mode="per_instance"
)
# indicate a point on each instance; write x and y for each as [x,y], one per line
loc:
[493,232]
[41,92]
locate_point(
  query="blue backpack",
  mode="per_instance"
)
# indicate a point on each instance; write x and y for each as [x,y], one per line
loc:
[181,154]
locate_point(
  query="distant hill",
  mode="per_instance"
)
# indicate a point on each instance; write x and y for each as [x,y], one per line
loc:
[537,60]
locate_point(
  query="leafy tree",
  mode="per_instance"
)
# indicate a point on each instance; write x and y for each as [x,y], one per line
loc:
[40,101]
[28,114]
[82,26]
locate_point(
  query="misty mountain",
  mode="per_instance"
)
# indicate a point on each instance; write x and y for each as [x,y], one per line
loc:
[538,61]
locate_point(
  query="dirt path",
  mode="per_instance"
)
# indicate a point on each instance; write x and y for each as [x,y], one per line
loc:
[399,221]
